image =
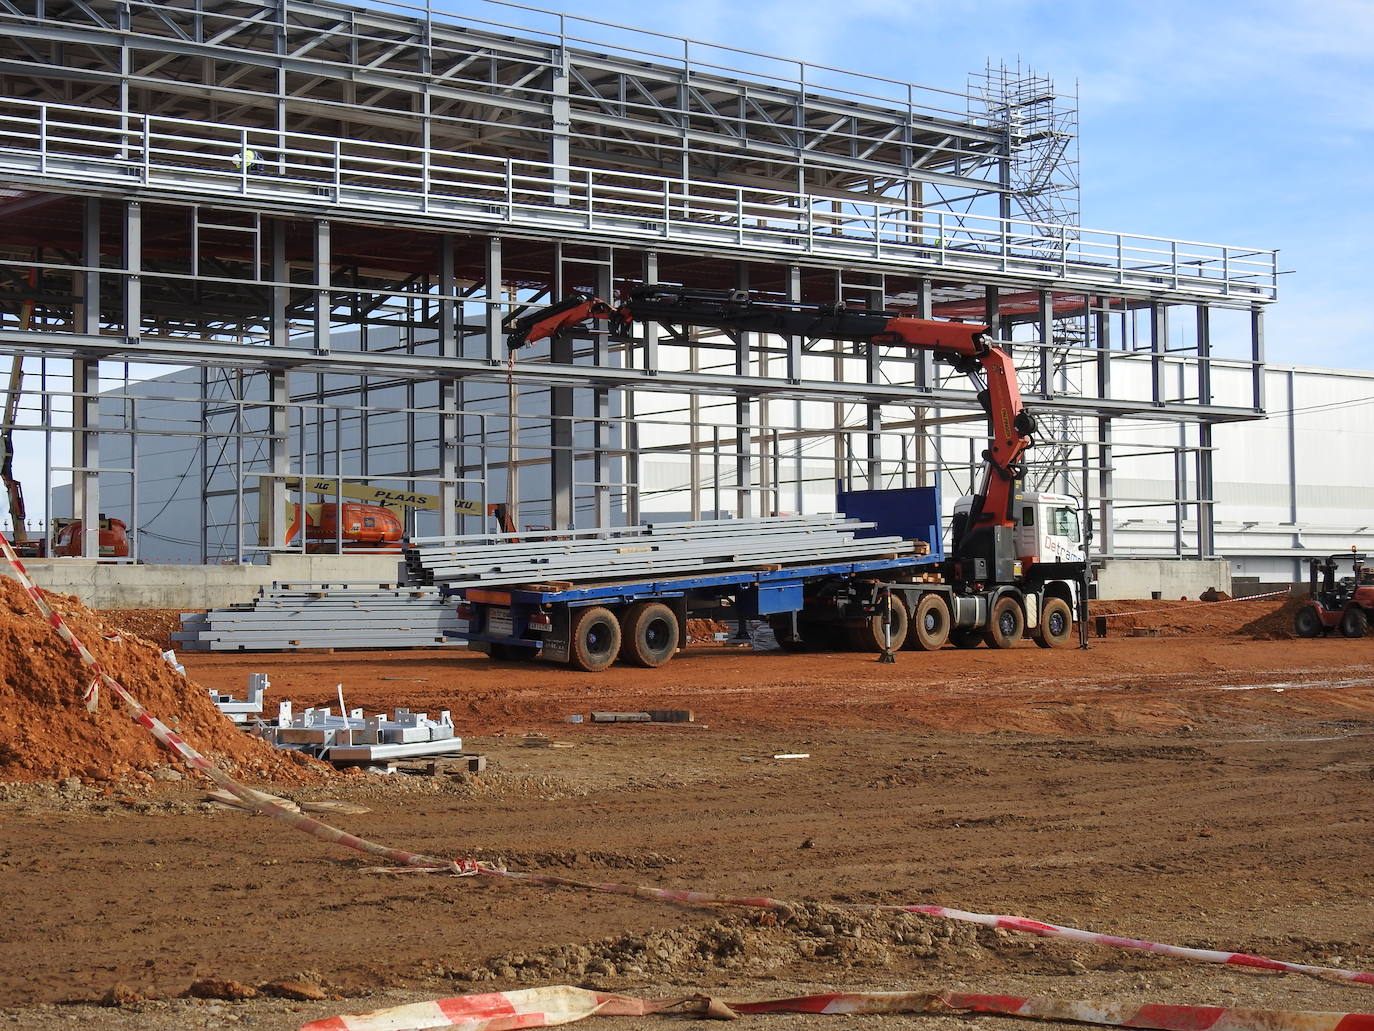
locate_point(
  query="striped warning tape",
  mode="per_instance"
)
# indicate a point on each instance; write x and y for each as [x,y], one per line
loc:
[563,1004]
[172,741]
[415,862]
[1195,604]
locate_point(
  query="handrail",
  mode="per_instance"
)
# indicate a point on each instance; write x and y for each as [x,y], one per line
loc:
[186,158]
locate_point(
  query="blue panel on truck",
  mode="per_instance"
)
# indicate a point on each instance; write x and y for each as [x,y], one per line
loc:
[910,512]
[780,598]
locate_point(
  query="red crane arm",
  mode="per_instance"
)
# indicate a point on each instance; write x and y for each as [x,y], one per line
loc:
[1010,426]
[961,344]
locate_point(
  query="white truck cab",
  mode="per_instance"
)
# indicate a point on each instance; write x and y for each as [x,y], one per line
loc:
[1048,528]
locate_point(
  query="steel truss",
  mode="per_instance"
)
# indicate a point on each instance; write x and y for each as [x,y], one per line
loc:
[329,210]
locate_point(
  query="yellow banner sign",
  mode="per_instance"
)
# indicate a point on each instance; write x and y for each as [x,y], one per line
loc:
[373,495]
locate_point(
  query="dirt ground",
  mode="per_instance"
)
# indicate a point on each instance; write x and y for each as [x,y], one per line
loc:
[1204,788]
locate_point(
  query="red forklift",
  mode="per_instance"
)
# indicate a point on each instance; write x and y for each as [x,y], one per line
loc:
[1345,604]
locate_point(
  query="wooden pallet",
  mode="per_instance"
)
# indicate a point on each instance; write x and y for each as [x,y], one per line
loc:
[448,764]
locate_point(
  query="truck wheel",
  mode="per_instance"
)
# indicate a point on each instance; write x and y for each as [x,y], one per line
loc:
[1006,624]
[1354,623]
[1056,624]
[594,639]
[966,638]
[648,634]
[929,629]
[1306,622]
[869,635]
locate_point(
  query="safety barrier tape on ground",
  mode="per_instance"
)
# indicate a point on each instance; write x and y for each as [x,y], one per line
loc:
[1007,923]
[1194,605]
[564,1004]
[415,862]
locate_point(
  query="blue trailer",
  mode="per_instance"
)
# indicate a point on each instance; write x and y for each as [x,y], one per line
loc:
[920,601]
[872,604]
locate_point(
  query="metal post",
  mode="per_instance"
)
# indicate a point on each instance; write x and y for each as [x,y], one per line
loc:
[86,453]
[323,303]
[1045,324]
[273,534]
[1257,356]
[88,304]
[1159,341]
[562,408]
[1105,488]
[601,403]
[133,263]
[450,346]
[1204,355]
[1206,506]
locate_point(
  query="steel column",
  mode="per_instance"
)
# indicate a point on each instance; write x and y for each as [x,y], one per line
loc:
[86,454]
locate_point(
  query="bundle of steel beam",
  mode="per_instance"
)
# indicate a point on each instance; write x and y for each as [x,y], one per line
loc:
[318,615]
[354,738]
[653,550]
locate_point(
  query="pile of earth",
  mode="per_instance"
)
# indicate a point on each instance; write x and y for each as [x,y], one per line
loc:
[47,734]
[1278,624]
[156,625]
[703,631]
[761,941]
[1184,618]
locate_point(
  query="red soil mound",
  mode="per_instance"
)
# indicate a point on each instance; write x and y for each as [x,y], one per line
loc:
[703,631]
[1187,618]
[46,733]
[1276,625]
[156,625]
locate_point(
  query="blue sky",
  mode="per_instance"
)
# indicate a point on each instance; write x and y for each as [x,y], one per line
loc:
[1245,123]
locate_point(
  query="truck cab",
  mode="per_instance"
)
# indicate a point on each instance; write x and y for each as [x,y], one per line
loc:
[1048,528]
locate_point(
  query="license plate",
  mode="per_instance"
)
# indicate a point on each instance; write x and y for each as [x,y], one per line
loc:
[499,623]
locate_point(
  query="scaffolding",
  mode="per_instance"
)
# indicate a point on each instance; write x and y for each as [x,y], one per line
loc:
[314,217]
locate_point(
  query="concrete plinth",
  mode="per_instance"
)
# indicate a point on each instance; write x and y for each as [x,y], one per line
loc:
[1171,578]
[110,585]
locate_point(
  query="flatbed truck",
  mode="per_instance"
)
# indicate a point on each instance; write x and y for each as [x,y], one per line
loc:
[1017,561]
[917,601]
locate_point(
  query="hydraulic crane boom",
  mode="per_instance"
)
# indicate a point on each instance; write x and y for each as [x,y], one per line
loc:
[963,345]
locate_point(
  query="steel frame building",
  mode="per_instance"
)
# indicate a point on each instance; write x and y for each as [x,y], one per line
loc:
[326,211]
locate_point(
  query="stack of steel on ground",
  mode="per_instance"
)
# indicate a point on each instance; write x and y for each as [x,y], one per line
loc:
[653,551]
[325,615]
[355,738]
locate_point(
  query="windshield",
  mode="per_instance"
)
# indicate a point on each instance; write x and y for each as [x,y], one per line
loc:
[1064,523]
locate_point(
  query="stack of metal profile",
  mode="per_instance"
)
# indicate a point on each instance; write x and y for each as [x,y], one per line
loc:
[653,550]
[356,738]
[325,615]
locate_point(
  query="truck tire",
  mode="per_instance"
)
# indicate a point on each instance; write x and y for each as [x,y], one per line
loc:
[1307,623]
[1056,624]
[1354,623]
[593,639]
[1006,623]
[868,635]
[929,624]
[966,638]
[649,634]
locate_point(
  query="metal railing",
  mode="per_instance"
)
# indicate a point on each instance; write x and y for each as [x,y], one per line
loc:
[214,163]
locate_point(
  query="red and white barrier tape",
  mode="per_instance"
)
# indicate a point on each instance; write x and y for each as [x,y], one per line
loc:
[1195,604]
[420,863]
[563,1004]
[174,744]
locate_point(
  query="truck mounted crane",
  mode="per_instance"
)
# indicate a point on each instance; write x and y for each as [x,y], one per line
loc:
[965,346]
[1016,562]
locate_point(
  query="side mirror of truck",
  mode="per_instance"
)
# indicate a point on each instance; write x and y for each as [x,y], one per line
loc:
[1088,528]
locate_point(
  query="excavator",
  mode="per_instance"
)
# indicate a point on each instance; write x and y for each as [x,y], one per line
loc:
[1003,578]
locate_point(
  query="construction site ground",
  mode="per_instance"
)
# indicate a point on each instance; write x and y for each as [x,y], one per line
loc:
[1206,787]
